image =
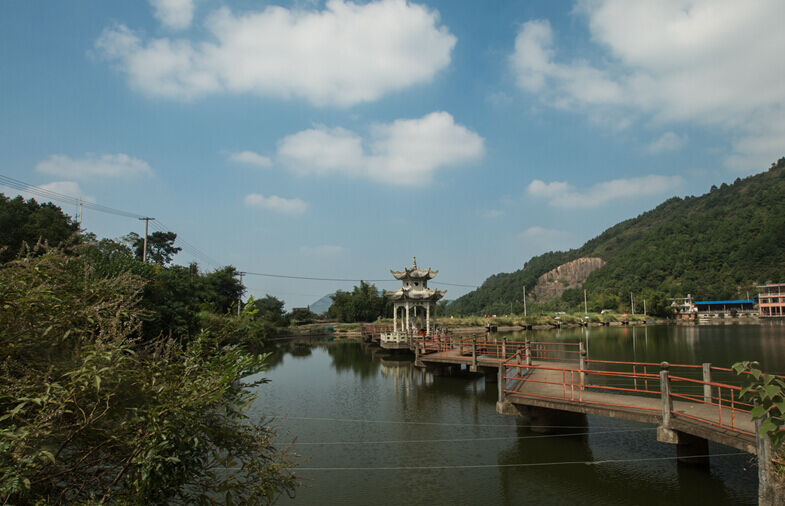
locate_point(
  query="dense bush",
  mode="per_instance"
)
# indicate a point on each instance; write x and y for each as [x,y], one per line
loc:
[93,413]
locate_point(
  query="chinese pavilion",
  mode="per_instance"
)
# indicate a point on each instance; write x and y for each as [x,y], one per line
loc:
[414,303]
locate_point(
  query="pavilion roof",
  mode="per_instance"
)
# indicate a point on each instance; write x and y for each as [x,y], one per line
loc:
[415,272]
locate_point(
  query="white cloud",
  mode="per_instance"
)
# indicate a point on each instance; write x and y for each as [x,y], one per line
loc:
[67,188]
[669,141]
[711,62]
[276,204]
[251,158]
[344,54]
[564,195]
[404,152]
[175,14]
[324,250]
[92,165]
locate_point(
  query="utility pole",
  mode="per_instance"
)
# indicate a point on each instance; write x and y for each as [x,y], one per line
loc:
[632,304]
[644,307]
[240,298]
[585,305]
[524,301]
[144,251]
[80,213]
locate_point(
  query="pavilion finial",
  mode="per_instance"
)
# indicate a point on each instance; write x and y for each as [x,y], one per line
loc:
[415,262]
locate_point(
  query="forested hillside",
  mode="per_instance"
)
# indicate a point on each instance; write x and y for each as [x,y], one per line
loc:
[718,245]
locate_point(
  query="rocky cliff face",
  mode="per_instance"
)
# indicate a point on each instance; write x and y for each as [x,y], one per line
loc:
[570,275]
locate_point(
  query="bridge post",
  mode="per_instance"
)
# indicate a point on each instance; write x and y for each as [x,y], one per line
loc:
[582,363]
[707,379]
[528,352]
[664,432]
[502,382]
[474,355]
[504,349]
[665,394]
[766,493]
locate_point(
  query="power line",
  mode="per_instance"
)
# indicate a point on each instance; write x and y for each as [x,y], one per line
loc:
[341,280]
[526,464]
[464,440]
[53,195]
[159,226]
[450,424]
[310,278]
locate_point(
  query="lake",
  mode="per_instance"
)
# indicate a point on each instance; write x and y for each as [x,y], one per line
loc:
[373,429]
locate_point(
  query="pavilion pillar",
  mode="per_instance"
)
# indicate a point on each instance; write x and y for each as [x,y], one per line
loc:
[428,319]
[408,321]
[395,317]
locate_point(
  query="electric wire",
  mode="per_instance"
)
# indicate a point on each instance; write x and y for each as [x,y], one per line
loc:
[465,440]
[192,250]
[342,280]
[448,424]
[523,464]
[53,195]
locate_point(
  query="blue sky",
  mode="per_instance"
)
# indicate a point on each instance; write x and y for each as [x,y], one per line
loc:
[339,139]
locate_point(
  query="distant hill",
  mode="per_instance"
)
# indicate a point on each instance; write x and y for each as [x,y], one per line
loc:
[322,305]
[715,246]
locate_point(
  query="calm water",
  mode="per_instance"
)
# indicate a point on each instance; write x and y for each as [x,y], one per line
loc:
[374,430]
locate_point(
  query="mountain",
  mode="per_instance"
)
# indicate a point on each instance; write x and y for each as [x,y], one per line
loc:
[715,246]
[322,305]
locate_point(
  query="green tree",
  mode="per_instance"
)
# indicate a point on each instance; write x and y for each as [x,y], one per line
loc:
[28,222]
[362,304]
[222,289]
[160,246]
[271,309]
[89,414]
[303,315]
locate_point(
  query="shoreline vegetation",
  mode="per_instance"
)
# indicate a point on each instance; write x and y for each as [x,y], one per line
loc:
[128,382]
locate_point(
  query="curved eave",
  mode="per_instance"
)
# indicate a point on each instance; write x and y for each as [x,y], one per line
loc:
[418,296]
[412,273]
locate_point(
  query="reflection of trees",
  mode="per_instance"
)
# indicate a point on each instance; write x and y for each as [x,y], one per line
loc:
[352,357]
[301,350]
[276,357]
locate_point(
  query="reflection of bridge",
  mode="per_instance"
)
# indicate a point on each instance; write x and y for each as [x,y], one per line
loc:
[690,404]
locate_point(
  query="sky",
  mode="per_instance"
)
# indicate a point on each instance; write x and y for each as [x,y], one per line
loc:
[339,139]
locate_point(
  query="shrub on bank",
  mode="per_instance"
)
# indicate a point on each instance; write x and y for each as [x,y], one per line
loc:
[91,413]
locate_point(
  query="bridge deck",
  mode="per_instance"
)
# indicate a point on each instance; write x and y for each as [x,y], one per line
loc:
[551,389]
[559,388]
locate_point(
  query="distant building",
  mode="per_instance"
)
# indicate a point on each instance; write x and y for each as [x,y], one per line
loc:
[717,308]
[771,299]
[684,308]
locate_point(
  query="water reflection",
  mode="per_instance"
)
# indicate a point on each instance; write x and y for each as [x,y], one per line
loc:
[361,408]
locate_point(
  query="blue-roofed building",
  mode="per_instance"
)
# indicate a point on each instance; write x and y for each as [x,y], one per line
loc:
[716,308]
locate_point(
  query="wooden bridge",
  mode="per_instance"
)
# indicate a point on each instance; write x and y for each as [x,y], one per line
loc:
[690,404]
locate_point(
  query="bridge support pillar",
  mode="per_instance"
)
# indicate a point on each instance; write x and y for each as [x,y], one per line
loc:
[473,367]
[528,352]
